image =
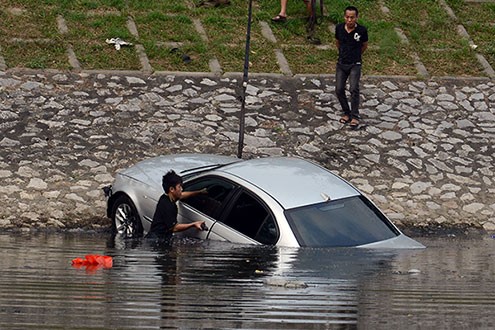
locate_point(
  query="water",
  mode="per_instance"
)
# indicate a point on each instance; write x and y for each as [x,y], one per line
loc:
[204,284]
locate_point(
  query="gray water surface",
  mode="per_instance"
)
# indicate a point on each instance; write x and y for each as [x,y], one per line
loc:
[205,284]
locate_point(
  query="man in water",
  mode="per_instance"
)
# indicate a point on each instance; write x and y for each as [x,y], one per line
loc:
[165,218]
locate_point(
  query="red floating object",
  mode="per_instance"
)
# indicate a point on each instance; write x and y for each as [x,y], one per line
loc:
[93,261]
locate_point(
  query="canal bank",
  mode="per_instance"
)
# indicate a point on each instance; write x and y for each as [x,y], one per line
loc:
[424,154]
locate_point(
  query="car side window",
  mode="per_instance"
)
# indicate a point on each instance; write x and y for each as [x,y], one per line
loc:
[210,203]
[251,217]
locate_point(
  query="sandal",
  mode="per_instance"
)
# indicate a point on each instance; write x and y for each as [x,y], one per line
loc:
[354,123]
[345,119]
[279,19]
[314,40]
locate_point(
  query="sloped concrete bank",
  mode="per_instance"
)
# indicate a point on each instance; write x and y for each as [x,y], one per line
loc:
[424,155]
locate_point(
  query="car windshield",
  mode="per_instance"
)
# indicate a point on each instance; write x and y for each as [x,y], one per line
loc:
[351,221]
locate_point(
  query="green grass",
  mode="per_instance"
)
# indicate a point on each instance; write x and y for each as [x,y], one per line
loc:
[27,24]
[88,35]
[163,58]
[433,36]
[36,55]
[29,36]
[478,19]
[311,62]
[158,26]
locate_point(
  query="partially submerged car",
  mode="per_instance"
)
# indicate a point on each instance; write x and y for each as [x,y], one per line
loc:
[282,201]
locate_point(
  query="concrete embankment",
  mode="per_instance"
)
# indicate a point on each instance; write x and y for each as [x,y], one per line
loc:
[425,154]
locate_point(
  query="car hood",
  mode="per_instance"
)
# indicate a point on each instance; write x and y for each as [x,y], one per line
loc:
[398,242]
[151,170]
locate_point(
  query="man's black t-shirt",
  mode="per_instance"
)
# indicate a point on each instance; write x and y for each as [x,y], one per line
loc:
[165,217]
[350,43]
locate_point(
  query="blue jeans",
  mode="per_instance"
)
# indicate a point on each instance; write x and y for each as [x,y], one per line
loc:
[353,73]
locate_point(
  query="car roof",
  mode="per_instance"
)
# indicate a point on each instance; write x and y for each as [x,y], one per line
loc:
[293,182]
[151,170]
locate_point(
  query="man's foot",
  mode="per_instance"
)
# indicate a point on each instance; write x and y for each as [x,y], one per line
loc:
[345,119]
[354,123]
[314,40]
[213,3]
[279,19]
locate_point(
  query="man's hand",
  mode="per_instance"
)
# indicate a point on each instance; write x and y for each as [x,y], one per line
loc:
[200,225]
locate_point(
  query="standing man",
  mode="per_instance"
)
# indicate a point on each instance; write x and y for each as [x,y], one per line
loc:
[165,218]
[351,40]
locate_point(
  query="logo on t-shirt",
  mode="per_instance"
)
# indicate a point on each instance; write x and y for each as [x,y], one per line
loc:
[357,37]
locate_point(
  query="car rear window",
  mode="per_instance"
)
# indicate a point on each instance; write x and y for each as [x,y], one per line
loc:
[351,221]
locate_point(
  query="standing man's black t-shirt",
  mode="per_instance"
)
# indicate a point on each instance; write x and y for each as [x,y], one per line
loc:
[164,219]
[350,43]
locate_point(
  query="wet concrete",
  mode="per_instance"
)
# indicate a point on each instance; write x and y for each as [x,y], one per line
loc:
[424,154]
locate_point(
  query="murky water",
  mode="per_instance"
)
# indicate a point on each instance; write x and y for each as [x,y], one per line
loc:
[204,284]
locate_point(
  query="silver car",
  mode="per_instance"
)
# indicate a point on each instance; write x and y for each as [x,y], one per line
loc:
[281,201]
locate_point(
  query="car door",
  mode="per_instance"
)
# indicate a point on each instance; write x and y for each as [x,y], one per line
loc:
[147,204]
[248,217]
[232,213]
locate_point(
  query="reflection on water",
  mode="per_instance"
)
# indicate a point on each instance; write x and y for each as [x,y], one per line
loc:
[205,284]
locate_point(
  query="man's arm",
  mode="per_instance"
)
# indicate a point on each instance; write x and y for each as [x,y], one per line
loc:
[364,47]
[187,194]
[185,226]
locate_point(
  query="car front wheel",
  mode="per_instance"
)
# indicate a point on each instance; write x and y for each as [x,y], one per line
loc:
[125,218]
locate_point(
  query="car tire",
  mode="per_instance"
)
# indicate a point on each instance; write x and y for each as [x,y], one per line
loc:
[126,221]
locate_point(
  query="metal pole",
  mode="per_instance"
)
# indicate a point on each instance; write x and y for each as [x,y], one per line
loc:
[244,83]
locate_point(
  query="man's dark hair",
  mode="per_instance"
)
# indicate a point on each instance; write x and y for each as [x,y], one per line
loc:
[352,8]
[169,180]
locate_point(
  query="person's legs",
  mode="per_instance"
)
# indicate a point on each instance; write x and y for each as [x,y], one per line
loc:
[283,8]
[354,77]
[341,75]
[308,6]
[282,15]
